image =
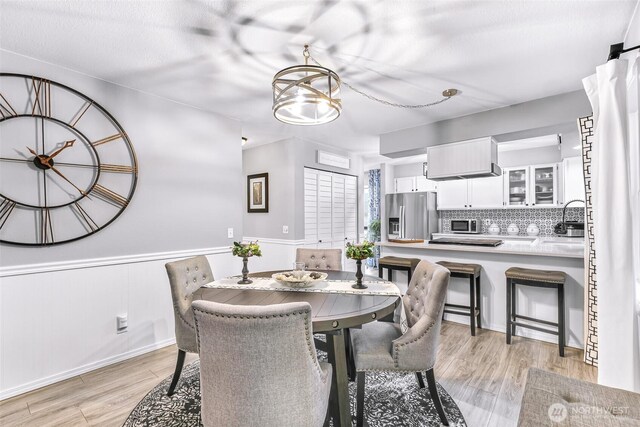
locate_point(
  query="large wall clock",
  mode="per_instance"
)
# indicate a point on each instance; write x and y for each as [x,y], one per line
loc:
[67,168]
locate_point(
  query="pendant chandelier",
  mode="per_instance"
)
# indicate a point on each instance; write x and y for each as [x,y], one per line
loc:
[306,94]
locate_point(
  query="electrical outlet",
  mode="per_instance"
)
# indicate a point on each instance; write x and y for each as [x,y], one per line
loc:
[285,229]
[487,222]
[230,233]
[122,323]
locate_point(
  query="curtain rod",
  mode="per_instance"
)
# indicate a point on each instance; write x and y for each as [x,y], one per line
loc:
[616,49]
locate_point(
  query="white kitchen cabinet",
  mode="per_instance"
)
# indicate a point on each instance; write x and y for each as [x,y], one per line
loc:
[405,185]
[544,185]
[453,194]
[485,193]
[478,193]
[531,186]
[573,179]
[414,183]
[424,184]
[516,186]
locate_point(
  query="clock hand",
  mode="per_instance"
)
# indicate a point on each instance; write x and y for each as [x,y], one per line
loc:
[66,179]
[32,151]
[66,144]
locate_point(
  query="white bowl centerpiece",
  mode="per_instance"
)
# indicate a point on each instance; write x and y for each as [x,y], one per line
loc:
[299,278]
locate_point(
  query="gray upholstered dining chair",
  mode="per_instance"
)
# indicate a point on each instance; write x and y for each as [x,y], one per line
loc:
[258,366]
[381,346]
[320,259]
[185,277]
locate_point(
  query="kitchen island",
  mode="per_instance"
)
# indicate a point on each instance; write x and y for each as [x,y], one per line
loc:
[543,252]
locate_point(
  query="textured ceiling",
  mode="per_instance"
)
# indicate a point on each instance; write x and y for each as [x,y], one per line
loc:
[222,55]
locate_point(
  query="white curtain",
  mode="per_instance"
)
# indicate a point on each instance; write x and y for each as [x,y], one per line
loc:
[614,95]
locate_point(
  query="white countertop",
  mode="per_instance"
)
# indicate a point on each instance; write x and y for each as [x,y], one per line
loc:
[551,246]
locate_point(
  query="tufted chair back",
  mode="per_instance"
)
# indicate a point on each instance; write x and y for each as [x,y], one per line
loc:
[185,277]
[423,304]
[258,366]
[320,259]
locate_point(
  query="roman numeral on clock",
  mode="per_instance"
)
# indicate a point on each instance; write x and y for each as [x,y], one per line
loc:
[42,101]
[5,108]
[46,227]
[80,113]
[117,168]
[109,195]
[107,139]
[5,210]
[84,217]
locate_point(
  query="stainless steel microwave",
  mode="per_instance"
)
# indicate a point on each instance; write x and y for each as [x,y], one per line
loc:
[465,226]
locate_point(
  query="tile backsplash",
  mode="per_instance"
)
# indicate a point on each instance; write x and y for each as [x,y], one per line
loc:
[545,218]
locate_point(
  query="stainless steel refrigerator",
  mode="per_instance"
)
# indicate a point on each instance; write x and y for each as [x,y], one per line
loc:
[411,215]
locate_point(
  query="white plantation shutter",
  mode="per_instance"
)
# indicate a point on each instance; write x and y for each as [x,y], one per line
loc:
[310,205]
[330,208]
[325,191]
[351,208]
[338,208]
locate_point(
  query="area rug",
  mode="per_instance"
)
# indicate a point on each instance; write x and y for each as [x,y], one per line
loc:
[392,399]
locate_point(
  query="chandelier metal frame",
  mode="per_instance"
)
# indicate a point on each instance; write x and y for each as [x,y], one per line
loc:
[296,88]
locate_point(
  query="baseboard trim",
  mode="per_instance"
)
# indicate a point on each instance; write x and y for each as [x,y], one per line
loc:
[42,382]
[101,262]
[522,333]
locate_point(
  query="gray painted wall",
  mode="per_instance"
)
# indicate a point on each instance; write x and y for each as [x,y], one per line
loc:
[411,169]
[554,114]
[278,160]
[190,181]
[285,162]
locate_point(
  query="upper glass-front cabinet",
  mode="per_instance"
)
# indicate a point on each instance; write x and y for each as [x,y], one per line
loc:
[516,182]
[544,188]
[531,186]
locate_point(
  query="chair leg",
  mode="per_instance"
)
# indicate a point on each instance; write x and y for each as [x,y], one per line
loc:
[508,323]
[479,302]
[360,399]
[177,372]
[472,305]
[433,391]
[561,337]
[420,380]
[514,307]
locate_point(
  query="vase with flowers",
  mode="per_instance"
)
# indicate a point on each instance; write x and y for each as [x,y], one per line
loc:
[245,251]
[360,252]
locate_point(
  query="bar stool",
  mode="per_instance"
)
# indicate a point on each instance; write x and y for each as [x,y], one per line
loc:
[540,279]
[471,272]
[392,263]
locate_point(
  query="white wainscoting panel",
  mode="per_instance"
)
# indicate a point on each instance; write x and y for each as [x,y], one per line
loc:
[277,254]
[58,321]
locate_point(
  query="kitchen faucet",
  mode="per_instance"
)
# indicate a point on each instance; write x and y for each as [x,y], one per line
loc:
[561,227]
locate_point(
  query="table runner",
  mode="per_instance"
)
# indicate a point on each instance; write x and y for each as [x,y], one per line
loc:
[374,287]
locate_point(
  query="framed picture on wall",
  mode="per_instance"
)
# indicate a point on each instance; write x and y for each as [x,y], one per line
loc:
[258,193]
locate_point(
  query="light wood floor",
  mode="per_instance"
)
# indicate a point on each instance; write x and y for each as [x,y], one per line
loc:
[484,376]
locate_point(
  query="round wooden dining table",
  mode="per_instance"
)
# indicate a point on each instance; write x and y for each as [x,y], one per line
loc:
[332,314]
